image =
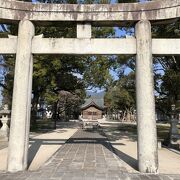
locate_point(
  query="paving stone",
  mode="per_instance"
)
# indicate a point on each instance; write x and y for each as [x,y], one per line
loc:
[134,177]
[155,177]
[87,155]
[57,174]
[165,177]
[144,177]
[175,176]
[123,176]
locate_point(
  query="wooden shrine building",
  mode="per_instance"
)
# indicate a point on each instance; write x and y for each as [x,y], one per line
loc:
[92,109]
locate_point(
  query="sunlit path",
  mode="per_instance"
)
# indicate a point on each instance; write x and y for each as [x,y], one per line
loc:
[86,155]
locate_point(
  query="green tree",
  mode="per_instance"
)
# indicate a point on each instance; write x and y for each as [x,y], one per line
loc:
[120,97]
[167,68]
[54,74]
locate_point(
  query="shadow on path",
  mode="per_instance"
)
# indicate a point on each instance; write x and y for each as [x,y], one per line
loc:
[37,143]
[114,134]
[126,158]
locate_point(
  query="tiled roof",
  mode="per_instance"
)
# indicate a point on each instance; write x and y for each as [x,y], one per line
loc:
[99,102]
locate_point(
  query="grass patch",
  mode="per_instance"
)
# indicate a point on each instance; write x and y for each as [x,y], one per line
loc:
[131,129]
[42,125]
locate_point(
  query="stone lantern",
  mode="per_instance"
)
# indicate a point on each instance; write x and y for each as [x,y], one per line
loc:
[173,129]
[5,113]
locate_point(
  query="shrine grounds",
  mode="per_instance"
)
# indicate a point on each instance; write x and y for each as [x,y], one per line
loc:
[107,153]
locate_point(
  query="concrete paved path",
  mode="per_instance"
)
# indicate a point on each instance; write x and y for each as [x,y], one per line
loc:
[86,155]
[41,147]
[3,144]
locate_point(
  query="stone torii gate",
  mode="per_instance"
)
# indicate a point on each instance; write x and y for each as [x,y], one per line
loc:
[26,44]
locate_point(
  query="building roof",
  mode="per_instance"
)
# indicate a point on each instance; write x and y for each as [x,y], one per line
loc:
[97,102]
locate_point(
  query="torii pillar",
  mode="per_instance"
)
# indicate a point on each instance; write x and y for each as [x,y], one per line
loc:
[147,133]
[21,104]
